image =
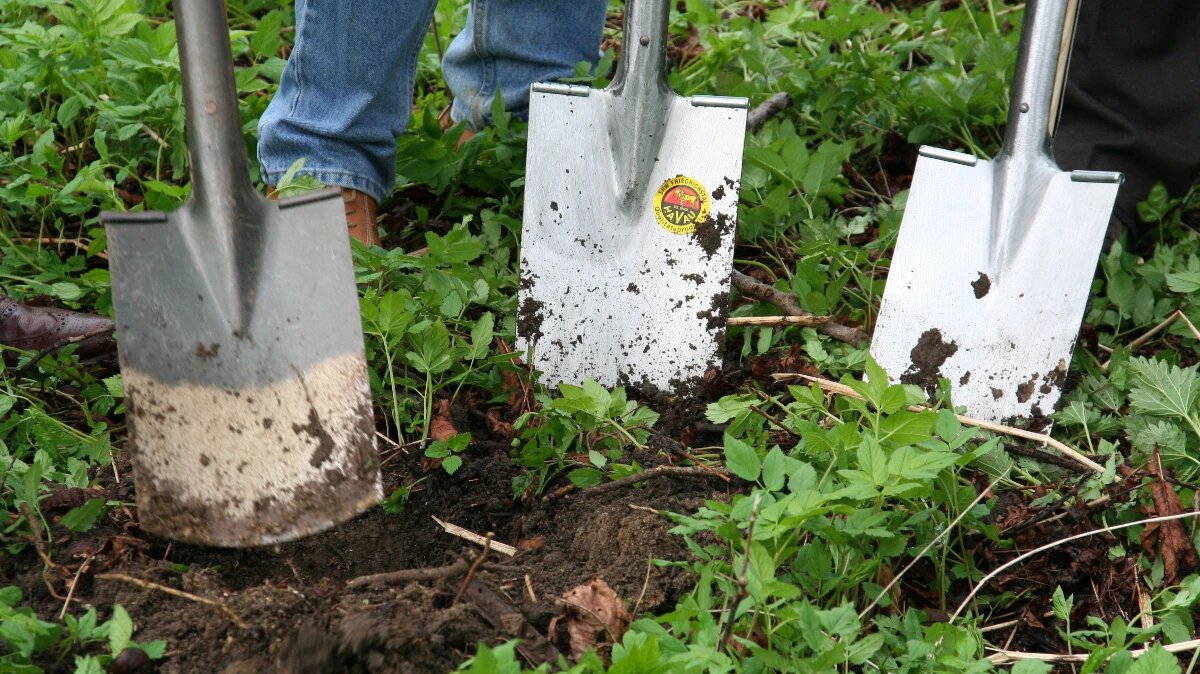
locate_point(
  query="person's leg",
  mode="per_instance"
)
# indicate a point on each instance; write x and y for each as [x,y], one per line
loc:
[346,95]
[1133,95]
[509,44]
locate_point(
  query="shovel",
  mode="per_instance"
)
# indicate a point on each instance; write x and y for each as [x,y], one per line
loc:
[241,352]
[994,259]
[631,197]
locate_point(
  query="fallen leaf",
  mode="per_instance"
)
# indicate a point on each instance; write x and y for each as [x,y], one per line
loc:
[442,427]
[1178,553]
[595,616]
[531,543]
[497,426]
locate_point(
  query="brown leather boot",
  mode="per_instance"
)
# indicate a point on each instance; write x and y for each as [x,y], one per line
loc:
[360,214]
[38,328]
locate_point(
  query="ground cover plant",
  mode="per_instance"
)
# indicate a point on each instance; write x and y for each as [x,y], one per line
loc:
[766,523]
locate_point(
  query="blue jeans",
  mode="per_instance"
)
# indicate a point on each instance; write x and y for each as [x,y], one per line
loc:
[346,93]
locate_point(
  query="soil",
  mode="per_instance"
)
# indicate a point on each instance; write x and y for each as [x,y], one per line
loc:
[302,613]
[927,358]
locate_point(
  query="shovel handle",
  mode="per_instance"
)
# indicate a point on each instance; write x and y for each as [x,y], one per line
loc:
[644,49]
[219,168]
[1045,44]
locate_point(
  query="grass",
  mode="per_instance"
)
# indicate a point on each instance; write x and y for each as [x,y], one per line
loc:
[850,503]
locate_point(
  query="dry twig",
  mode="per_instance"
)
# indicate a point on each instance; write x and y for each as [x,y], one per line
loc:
[474,568]
[1149,334]
[455,530]
[1003,657]
[150,585]
[758,116]
[787,304]
[809,320]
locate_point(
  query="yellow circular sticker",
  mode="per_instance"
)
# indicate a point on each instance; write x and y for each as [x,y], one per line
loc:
[680,203]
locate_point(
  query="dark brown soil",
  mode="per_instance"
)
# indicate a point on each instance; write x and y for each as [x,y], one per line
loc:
[301,616]
[927,358]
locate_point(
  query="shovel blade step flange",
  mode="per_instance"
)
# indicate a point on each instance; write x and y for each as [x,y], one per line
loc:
[254,425]
[1002,328]
[627,291]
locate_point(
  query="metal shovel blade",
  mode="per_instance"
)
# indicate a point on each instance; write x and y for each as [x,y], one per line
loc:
[994,259]
[1001,333]
[631,199]
[241,348]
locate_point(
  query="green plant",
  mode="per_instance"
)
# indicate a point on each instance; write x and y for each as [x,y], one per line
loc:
[23,636]
[584,431]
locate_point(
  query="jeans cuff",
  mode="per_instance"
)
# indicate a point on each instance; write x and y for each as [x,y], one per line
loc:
[331,177]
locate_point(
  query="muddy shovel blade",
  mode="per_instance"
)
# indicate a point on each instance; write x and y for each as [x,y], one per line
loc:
[241,349]
[631,199]
[1002,334]
[994,259]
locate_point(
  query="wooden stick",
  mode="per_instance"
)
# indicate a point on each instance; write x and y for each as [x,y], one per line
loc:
[758,116]
[1003,657]
[487,547]
[787,304]
[149,585]
[455,530]
[420,575]
[1149,334]
[778,321]
[842,389]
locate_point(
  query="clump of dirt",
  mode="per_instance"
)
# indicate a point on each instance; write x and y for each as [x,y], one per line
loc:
[927,358]
[981,286]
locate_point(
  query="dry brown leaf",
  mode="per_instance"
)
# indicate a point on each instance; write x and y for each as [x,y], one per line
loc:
[442,427]
[532,543]
[497,426]
[1178,554]
[595,615]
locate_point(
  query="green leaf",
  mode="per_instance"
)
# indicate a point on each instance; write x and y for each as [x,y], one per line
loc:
[774,469]
[88,664]
[482,333]
[1157,660]
[266,41]
[585,477]
[741,459]
[825,166]
[82,518]
[451,464]
[10,595]
[1161,389]
[120,629]
[432,353]
[1186,282]
[154,649]
[1061,604]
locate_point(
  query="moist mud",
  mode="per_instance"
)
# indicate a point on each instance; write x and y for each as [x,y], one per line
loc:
[927,358]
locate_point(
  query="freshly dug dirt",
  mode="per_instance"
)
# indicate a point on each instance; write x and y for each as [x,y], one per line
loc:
[301,614]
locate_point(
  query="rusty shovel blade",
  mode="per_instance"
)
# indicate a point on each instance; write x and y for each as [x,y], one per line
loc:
[241,347]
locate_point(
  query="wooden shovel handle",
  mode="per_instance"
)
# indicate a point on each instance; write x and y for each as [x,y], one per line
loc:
[1064,58]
